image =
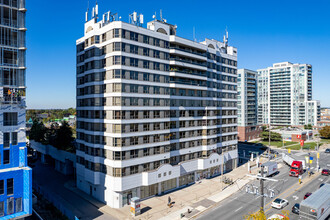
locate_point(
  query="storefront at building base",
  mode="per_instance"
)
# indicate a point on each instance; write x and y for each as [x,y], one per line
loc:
[145,192]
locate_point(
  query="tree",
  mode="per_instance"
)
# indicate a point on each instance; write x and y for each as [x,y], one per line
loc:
[38,131]
[260,215]
[273,136]
[325,132]
[308,127]
[63,139]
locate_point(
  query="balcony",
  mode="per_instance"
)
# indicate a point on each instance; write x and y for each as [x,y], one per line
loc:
[8,42]
[9,100]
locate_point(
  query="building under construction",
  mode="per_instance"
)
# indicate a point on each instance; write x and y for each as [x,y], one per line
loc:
[15,175]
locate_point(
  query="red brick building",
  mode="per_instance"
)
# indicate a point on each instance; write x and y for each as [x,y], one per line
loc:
[247,133]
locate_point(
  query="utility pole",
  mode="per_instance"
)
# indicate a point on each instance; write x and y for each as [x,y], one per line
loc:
[262,188]
[309,163]
[269,139]
[262,179]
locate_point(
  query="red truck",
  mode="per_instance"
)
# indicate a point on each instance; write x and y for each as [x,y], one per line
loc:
[296,168]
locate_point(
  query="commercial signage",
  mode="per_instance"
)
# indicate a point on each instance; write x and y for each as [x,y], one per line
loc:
[302,143]
[135,206]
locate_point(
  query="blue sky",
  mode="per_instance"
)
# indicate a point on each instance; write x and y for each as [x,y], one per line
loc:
[264,32]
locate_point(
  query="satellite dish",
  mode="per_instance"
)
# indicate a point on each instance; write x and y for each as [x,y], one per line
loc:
[154,16]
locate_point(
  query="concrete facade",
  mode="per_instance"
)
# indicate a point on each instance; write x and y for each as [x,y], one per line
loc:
[154,111]
[63,161]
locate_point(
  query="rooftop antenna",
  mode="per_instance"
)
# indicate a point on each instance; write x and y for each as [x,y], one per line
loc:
[86,14]
[136,19]
[225,38]
[154,16]
[96,10]
[194,37]
[161,15]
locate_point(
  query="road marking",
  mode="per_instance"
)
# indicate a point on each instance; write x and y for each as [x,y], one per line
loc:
[295,197]
[320,179]
[289,193]
[280,194]
[238,209]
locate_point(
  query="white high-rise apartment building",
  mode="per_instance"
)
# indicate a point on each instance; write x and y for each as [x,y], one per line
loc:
[285,95]
[155,111]
[247,97]
[247,105]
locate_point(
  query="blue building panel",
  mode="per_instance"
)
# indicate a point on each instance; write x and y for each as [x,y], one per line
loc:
[14,157]
[21,198]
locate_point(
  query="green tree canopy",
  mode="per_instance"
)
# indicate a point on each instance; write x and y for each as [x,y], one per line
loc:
[273,136]
[38,131]
[63,138]
[308,127]
[325,132]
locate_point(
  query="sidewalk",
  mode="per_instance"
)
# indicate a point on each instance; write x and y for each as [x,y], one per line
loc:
[64,199]
[197,197]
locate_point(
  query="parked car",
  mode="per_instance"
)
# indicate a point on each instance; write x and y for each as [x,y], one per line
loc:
[295,208]
[322,184]
[307,195]
[327,150]
[325,172]
[277,216]
[280,203]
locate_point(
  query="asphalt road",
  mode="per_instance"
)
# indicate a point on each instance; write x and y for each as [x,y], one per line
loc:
[241,203]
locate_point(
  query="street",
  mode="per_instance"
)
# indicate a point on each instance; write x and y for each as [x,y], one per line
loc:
[241,203]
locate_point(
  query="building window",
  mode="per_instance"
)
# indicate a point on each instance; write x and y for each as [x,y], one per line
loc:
[14,138]
[146,40]
[10,118]
[6,156]
[10,186]
[116,33]
[18,204]
[2,187]
[6,140]
[116,60]
[2,209]
[10,206]
[116,46]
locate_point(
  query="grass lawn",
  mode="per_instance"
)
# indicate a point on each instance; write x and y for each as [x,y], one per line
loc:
[325,141]
[277,143]
[307,146]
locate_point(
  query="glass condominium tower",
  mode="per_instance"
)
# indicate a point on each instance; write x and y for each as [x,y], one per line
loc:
[155,111]
[15,175]
[285,95]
